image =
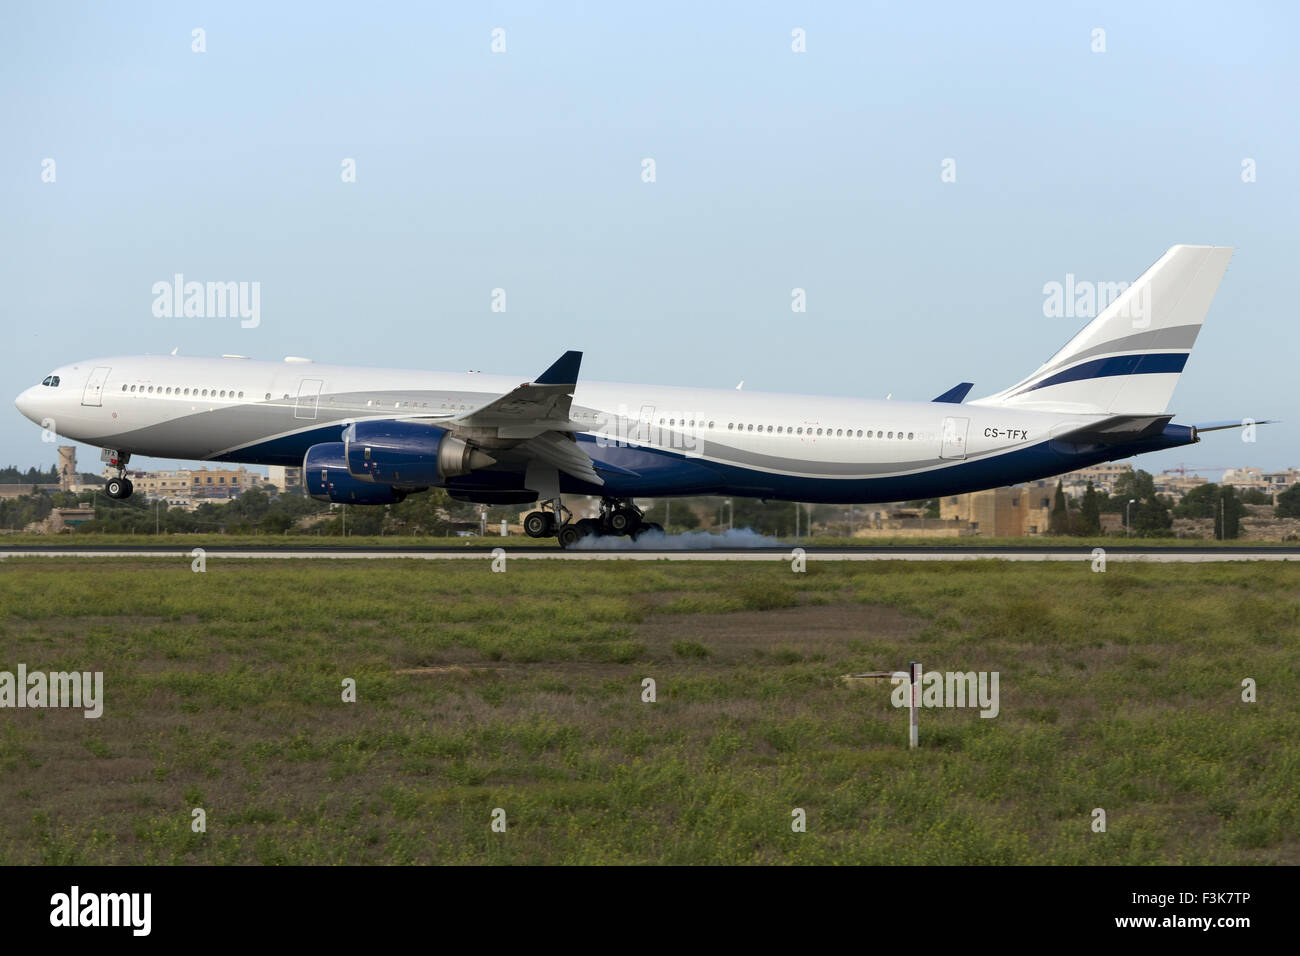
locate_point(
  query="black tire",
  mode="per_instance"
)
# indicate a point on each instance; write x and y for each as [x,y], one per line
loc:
[622,521]
[537,525]
[569,535]
[116,488]
[130,488]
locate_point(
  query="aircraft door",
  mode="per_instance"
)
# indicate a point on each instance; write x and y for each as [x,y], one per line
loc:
[954,438]
[308,397]
[645,421]
[94,393]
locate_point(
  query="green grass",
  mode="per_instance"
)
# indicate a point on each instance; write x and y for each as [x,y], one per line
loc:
[523,691]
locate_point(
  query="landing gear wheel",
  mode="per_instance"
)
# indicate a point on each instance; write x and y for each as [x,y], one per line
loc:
[539,524]
[569,535]
[118,488]
[624,521]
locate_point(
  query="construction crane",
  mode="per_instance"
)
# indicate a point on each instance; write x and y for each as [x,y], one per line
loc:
[1182,469]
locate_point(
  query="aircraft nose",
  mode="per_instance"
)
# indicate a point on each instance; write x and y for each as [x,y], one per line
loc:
[27,402]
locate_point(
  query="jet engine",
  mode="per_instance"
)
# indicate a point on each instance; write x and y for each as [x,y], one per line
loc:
[325,473]
[409,454]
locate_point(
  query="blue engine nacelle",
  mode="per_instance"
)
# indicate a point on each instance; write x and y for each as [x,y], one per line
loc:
[412,454]
[325,473]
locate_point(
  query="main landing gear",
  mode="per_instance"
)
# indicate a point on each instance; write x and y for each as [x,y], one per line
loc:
[119,487]
[618,517]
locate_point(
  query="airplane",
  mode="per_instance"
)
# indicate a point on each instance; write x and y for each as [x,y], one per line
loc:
[370,436]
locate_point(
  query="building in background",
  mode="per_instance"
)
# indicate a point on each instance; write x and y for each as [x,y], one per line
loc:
[1010,512]
[286,479]
[190,486]
[68,479]
[1103,478]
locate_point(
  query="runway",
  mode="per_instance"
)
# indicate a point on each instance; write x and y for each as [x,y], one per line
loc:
[1125,553]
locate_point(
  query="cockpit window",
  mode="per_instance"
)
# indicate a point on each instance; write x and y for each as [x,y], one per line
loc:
[54,380]
[48,379]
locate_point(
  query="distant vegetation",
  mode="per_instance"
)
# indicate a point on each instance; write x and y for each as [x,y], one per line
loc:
[436,514]
[10,475]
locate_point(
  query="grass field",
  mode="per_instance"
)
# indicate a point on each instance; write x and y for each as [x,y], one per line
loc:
[522,691]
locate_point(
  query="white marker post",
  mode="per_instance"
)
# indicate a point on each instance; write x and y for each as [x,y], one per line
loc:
[913,676]
[914,718]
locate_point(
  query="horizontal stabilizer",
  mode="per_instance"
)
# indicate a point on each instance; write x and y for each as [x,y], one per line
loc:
[957,394]
[1117,430]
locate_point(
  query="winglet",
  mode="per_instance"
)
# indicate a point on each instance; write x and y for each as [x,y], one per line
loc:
[955,395]
[564,371]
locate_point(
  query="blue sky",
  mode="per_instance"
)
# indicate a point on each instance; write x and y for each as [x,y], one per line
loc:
[774,170]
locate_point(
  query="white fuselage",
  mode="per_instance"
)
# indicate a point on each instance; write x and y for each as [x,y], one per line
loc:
[763,444]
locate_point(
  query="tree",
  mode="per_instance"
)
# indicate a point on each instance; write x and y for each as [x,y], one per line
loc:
[1200,502]
[1059,523]
[1288,503]
[1090,512]
[1134,484]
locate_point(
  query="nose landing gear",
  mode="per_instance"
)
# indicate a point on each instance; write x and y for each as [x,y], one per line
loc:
[119,487]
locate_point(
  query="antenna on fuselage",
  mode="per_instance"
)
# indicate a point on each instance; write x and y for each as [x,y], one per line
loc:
[741,385]
[175,350]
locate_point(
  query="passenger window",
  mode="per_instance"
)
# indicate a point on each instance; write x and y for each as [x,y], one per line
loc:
[891,434]
[909,436]
[859,432]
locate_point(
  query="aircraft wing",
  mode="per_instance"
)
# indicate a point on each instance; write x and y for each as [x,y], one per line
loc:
[538,412]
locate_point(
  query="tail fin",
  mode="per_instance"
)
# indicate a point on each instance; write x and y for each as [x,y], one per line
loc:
[1128,359]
